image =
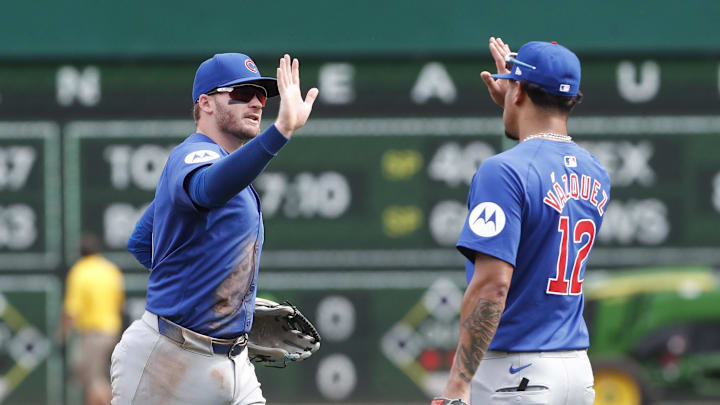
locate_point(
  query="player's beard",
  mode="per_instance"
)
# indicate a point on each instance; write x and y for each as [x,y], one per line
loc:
[233,125]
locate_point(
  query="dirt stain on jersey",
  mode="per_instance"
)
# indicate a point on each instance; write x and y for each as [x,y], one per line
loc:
[230,293]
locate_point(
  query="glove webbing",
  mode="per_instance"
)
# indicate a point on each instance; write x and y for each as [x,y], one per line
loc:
[302,323]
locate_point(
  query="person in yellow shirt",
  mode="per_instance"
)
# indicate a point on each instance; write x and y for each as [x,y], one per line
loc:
[92,309]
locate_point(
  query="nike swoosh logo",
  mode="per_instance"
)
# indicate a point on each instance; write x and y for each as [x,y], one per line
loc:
[515,370]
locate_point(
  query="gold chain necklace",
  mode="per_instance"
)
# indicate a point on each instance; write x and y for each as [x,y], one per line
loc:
[550,135]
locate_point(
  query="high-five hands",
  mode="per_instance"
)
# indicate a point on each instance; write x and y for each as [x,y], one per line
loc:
[294,111]
[497,88]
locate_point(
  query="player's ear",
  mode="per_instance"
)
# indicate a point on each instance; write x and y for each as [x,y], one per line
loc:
[519,95]
[205,103]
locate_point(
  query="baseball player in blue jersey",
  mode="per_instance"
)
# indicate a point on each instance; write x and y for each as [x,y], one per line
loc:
[206,229]
[534,212]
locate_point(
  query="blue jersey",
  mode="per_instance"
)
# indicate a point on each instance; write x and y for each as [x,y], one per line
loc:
[538,207]
[205,262]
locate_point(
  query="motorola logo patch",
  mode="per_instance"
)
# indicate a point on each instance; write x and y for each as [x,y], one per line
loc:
[201,156]
[487,219]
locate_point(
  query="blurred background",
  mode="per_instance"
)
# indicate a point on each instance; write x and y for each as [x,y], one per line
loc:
[362,209]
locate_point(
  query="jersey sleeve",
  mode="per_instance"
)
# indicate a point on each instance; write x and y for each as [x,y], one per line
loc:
[495,203]
[140,241]
[213,186]
[184,160]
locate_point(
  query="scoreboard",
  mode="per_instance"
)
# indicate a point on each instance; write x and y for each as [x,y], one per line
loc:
[30,200]
[378,178]
[362,208]
[390,193]
[351,88]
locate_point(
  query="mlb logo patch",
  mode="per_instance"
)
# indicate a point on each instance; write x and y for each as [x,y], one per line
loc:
[570,161]
[518,72]
[565,88]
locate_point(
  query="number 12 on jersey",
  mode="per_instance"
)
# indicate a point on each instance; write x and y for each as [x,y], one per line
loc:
[559,285]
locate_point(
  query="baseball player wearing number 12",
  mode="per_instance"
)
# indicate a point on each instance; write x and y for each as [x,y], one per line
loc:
[207,235]
[534,214]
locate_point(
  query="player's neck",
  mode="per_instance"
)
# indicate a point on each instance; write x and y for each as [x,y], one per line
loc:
[229,143]
[535,123]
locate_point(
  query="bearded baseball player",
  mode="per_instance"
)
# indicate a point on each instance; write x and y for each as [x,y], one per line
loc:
[207,235]
[534,213]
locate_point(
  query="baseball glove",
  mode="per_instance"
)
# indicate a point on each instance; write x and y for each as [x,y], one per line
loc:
[280,333]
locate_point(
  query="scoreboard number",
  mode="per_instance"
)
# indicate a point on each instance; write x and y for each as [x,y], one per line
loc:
[18,229]
[305,195]
[30,234]
[15,165]
[455,165]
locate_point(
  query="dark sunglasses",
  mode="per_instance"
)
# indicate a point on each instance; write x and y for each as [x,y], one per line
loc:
[511,59]
[244,93]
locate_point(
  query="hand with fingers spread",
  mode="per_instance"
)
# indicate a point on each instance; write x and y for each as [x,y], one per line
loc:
[294,111]
[497,88]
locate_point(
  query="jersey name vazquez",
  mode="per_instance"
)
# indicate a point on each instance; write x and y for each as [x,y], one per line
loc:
[576,188]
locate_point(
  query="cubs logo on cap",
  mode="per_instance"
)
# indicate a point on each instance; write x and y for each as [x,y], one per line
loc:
[227,70]
[251,65]
[551,66]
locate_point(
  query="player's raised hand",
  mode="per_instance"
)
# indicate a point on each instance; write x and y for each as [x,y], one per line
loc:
[497,88]
[294,111]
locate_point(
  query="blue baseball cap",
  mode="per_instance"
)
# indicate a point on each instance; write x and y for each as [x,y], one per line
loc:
[230,69]
[549,65]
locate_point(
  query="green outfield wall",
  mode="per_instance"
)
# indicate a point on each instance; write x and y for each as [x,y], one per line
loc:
[137,28]
[363,207]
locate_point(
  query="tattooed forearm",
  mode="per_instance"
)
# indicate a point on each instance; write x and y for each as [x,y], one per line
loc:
[480,325]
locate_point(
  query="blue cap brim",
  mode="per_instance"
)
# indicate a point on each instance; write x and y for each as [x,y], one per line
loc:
[268,83]
[503,76]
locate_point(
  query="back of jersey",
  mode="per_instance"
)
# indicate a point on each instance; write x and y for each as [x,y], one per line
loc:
[551,197]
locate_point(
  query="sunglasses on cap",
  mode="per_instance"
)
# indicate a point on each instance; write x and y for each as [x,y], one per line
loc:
[244,93]
[511,59]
